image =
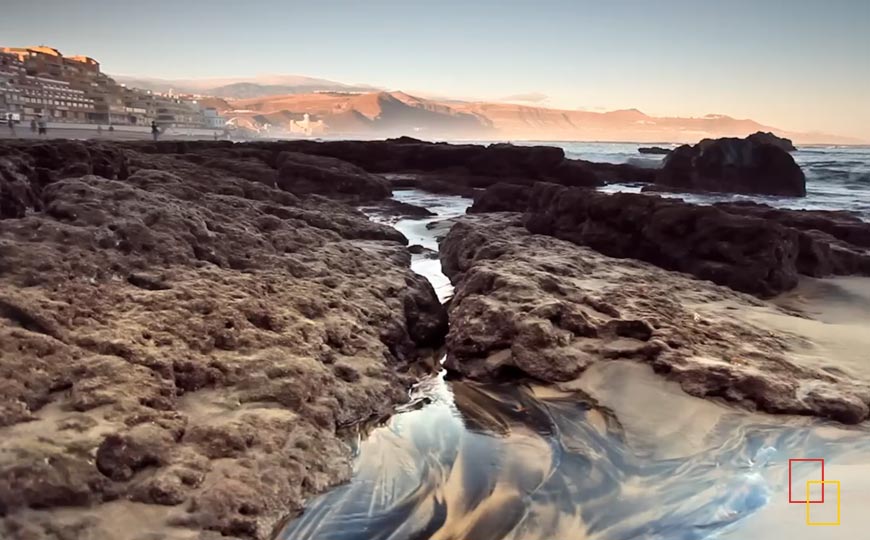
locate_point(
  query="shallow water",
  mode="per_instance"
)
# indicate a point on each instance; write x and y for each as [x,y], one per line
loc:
[625,456]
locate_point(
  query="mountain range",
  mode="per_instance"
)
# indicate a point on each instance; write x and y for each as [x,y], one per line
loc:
[243,87]
[363,111]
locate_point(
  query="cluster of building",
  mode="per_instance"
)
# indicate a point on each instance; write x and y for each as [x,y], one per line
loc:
[40,82]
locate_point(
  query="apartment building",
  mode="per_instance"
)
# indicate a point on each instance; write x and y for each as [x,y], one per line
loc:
[29,95]
[41,81]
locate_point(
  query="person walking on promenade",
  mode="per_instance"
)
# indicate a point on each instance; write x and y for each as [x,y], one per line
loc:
[11,123]
[154,131]
[43,127]
[99,130]
[33,125]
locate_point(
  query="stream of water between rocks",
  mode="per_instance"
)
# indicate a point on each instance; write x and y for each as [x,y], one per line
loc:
[629,457]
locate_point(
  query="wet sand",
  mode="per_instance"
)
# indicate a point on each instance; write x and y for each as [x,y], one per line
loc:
[619,453]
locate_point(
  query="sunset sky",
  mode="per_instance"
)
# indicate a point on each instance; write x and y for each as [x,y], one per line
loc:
[801,65]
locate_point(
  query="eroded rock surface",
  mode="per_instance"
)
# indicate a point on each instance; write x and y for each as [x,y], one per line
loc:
[753,249]
[461,168]
[183,343]
[534,306]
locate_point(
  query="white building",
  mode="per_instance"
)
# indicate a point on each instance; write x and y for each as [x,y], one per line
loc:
[212,119]
[306,126]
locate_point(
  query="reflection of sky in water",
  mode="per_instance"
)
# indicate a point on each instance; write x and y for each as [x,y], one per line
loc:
[466,461]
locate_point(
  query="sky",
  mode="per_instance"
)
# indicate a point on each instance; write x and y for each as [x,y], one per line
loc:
[799,65]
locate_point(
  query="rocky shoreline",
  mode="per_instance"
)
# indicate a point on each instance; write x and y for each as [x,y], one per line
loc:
[175,336]
[188,328]
[532,306]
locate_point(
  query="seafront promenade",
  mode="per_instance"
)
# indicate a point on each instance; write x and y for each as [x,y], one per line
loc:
[120,133]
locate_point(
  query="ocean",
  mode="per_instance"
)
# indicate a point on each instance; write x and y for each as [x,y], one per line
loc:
[838,177]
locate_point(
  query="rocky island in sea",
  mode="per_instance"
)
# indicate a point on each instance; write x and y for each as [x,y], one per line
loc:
[193,335]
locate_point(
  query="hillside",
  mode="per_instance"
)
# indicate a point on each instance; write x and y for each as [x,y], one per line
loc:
[373,113]
[379,114]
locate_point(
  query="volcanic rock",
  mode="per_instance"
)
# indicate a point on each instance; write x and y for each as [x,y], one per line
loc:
[654,150]
[502,197]
[302,174]
[188,338]
[766,137]
[734,166]
[744,253]
[531,306]
[750,248]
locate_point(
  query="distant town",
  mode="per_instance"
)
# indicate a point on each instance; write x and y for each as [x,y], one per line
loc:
[40,84]
[72,97]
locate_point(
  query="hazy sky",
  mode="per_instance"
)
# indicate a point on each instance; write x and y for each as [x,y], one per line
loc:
[795,64]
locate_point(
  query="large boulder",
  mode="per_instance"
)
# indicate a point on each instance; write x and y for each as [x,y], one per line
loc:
[732,165]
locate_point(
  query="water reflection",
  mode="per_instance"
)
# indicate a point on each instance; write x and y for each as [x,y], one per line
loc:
[500,461]
[625,455]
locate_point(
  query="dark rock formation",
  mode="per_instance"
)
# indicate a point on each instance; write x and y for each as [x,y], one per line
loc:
[458,169]
[302,174]
[182,334]
[502,197]
[734,166]
[831,242]
[749,253]
[537,307]
[766,137]
[654,150]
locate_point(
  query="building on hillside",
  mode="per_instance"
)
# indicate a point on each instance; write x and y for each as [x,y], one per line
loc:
[11,71]
[40,81]
[306,126]
[39,93]
[212,119]
[177,112]
[72,88]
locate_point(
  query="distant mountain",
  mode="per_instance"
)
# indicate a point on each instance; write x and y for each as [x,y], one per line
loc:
[398,113]
[366,111]
[243,88]
[366,114]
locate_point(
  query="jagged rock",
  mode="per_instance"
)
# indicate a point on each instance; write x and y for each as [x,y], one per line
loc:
[302,174]
[16,192]
[831,242]
[734,166]
[749,248]
[531,306]
[181,330]
[502,197]
[459,169]
[746,254]
[766,137]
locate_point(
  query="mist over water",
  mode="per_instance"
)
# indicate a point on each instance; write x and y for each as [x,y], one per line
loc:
[628,455]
